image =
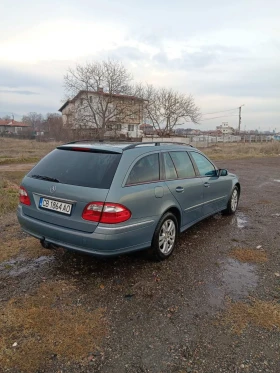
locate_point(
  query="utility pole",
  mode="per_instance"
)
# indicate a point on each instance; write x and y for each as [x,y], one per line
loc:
[239,124]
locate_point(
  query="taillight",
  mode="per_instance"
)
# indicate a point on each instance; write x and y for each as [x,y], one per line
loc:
[23,197]
[93,211]
[108,213]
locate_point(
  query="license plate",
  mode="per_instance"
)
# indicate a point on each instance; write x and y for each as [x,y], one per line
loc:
[50,204]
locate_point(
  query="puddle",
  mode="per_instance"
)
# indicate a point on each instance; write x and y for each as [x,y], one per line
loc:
[238,278]
[215,295]
[240,220]
[277,181]
[20,266]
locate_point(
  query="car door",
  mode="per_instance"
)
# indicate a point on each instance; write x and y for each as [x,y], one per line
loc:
[216,189]
[184,184]
[143,191]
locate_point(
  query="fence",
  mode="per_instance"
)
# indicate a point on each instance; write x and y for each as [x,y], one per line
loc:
[202,141]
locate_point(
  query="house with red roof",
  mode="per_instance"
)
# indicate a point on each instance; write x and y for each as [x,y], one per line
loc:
[12,126]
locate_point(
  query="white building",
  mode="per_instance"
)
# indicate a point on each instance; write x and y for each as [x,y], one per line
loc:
[225,129]
[123,114]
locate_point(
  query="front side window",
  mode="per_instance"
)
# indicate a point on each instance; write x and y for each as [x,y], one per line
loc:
[183,164]
[170,171]
[204,166]
[145,170]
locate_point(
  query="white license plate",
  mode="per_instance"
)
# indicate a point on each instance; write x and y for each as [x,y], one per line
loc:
[50,204]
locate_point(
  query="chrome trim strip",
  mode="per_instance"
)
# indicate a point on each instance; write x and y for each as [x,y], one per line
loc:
[54,198]
[204,203]
[116,229]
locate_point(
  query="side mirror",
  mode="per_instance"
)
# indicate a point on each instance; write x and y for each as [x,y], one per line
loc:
[223,172]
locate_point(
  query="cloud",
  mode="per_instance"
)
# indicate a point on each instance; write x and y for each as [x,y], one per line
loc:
[126,53]
[23,76]
[18,92]
[218,53]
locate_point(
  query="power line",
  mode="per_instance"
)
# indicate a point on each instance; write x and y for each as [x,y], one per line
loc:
[223,116]
[223,111]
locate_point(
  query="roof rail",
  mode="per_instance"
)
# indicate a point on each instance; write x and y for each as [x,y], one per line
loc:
[155,143]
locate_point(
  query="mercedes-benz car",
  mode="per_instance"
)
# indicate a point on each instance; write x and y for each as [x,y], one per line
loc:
[109,199]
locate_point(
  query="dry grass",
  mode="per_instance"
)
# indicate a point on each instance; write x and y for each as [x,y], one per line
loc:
[9,184]
[10,245]
[46,324]
[23,151]
[30,151]
[263,202]
[249,255]
[259,313]
[8,196]
[241,150]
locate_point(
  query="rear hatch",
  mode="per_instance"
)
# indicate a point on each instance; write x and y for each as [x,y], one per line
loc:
[65,181]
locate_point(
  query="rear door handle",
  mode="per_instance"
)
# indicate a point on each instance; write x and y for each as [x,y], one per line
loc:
[179,189]
[207,185]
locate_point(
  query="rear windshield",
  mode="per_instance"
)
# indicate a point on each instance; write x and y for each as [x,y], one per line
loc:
[87,169]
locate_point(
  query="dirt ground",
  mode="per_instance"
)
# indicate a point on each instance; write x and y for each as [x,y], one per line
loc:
[214,306]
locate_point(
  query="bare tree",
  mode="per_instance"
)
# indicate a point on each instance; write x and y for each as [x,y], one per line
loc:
[33,119]
[53,125]
[104,96]
[166,108]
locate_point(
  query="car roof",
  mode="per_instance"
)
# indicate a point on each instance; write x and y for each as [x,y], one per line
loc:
[120,147]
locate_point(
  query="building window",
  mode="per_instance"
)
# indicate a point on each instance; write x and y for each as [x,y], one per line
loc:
[90,99]
[81,101]
[109,127]
[118,127]
[131,127]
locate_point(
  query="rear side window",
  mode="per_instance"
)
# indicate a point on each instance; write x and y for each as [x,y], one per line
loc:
[183,164]
[145,170]
[87,169]
[170,171]
[204,166]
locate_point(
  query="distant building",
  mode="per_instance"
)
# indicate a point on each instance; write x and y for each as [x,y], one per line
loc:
[79,107]
[147,129]
[225,129]
[12,126]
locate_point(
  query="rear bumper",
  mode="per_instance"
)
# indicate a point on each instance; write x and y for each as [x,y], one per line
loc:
[113,243]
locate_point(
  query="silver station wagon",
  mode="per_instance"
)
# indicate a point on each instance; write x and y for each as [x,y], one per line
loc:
[110,199]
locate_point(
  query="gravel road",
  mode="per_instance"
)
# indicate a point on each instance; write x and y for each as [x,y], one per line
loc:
[169,316]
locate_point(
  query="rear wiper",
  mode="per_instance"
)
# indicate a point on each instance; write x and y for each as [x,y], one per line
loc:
[45,178]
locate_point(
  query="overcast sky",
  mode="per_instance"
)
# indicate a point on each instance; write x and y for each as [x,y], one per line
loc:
[225,53]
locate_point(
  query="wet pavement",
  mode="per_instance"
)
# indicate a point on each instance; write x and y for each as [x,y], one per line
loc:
[165,317]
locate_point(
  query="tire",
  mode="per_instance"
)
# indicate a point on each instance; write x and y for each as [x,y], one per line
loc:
[233,202]
[163,246]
